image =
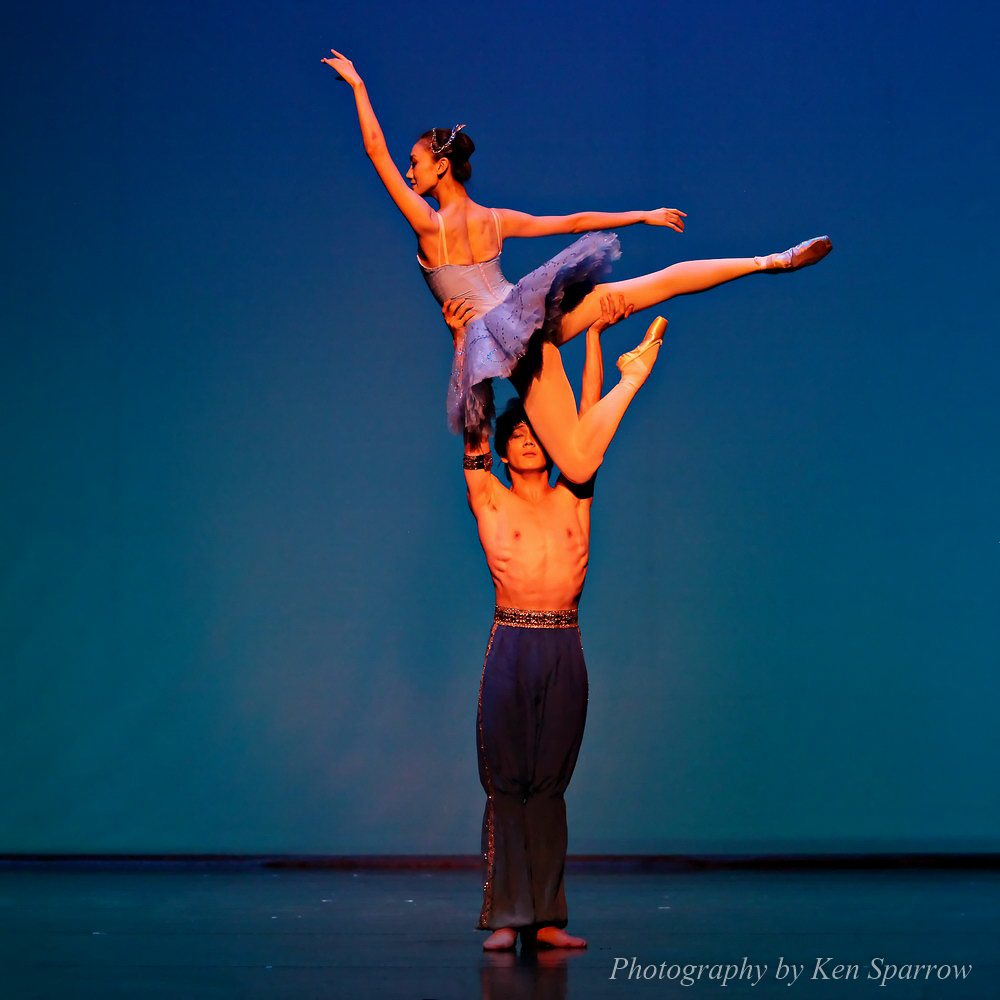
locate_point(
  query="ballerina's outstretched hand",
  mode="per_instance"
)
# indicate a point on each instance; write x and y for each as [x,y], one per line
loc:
[666,217]
[343,67]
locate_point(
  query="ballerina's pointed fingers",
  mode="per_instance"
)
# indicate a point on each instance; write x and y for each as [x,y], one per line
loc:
[672,218]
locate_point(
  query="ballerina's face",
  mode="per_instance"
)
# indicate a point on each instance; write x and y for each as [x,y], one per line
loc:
[423,174]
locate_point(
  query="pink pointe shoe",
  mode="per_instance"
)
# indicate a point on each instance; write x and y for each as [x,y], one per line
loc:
[653,338]
[799,256]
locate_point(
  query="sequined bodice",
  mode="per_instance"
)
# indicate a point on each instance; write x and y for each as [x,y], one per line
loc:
[482,285]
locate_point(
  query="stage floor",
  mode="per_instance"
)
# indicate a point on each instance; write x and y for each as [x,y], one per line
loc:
[258,933]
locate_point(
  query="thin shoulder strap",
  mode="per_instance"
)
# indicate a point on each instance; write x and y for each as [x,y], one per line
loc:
[442,242]
[496,220]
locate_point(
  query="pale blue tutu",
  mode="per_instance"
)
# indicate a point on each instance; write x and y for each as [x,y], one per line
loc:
[498,339]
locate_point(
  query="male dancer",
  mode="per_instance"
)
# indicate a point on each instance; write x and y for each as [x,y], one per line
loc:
[533,693]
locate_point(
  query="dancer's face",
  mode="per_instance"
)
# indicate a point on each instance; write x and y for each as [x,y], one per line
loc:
[423,174]
[524,453]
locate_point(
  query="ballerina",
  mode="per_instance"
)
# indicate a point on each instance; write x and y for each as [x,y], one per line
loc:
[516,330]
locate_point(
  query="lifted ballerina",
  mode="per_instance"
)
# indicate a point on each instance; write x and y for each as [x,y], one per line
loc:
[546,308]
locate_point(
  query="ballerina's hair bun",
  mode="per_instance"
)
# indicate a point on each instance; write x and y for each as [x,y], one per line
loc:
[456,146]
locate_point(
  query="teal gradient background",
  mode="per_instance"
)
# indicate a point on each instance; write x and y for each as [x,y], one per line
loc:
[243,604]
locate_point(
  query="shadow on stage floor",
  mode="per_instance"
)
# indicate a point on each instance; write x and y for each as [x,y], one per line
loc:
[257,932]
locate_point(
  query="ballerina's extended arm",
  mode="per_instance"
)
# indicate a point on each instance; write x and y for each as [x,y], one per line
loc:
[522,224]
[420,215]
[417,212]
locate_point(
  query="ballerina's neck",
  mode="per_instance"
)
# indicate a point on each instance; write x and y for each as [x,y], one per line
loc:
[449,192]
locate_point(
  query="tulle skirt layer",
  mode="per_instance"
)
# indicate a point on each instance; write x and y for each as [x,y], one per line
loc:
[496,341]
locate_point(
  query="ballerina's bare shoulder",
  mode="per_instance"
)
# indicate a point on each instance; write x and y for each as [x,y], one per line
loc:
[469,235]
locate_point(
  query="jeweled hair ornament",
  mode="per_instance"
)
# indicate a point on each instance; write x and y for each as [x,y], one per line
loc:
[439,150]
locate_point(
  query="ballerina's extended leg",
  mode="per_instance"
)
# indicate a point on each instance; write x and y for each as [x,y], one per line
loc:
[690,276]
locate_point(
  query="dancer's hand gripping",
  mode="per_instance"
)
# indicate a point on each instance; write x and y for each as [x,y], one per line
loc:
[614,308]
[457,312]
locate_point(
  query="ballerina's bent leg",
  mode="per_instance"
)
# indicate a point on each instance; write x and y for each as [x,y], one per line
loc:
[576,444]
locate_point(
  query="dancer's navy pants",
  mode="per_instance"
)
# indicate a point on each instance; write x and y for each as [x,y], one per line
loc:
[532,710]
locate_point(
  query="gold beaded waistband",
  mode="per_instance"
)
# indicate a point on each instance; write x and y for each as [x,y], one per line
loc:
[535,619]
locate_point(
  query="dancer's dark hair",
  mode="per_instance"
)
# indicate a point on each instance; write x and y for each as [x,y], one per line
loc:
[513,415]
[457,151]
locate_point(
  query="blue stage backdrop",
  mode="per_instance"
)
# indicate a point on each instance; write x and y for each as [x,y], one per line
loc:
[243,604]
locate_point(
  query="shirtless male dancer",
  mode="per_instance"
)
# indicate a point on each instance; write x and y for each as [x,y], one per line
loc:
[533,693]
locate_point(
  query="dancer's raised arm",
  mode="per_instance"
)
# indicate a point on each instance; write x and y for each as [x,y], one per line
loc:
[417,212]
[478,461]
[522,224]
[613,309]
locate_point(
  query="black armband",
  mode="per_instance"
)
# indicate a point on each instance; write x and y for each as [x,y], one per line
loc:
[483,461]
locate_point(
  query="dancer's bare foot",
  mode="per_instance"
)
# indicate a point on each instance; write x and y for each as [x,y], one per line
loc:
[801,255]
[556,938]
[636,365]
[501,940]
